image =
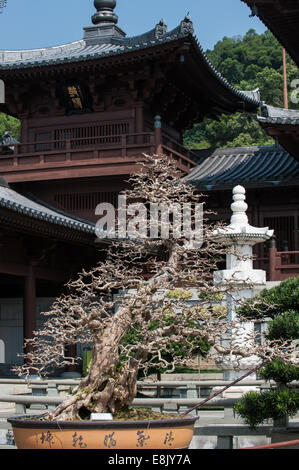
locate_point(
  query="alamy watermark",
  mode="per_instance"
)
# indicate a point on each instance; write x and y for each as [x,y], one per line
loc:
[295,93]
[151,221]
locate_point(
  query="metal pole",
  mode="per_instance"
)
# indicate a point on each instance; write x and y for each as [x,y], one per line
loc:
[274,446]
[285,83]
[225,388]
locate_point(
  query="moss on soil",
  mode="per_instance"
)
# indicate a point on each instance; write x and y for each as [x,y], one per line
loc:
[129,414]
[137,414]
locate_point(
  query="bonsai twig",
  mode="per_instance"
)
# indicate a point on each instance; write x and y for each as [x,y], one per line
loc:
[225,388]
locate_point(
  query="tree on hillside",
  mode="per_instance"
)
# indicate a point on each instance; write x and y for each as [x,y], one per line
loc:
[10,124]
[236,130]
[248,62]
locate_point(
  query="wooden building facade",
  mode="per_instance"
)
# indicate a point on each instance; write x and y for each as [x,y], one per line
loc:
[89,110]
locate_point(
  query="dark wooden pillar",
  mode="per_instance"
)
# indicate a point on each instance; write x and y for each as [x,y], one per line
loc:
[29,306]
[272,261]
[24,128]
[139,127]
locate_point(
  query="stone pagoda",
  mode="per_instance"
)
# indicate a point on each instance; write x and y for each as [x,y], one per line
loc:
[240,237]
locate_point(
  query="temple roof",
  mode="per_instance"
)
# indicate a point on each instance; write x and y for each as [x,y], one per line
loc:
[281,124]
[281,17]
[264,166]
[31,207]
[96,46]
[273,115]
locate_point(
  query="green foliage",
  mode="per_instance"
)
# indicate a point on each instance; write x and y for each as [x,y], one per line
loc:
[284,326]
[236,130]
[243,57]
[87,359]
[10,124]
[195,346]
[275,301]
[183,294]
[248,62]
[280,372]
[256,408]
[282,306]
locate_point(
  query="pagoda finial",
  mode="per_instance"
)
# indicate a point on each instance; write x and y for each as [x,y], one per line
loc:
[105,13]
[239,207]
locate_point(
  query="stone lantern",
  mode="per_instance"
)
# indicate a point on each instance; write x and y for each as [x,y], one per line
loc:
[240,237]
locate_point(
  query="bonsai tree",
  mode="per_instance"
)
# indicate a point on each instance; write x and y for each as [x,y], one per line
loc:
[151,302]
[278,306]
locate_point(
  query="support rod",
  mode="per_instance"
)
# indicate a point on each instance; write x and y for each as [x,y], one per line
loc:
[225,388]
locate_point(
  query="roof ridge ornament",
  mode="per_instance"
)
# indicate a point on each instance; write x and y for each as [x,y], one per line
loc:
[104,29]
[161,28]
[186,25]
[105,13]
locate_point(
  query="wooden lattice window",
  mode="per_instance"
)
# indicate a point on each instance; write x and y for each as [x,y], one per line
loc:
[75,202]
[108,133]
[43,137]
[284,230]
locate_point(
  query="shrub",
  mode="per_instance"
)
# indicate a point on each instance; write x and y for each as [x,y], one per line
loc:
[280,372]
[282,307]
[256,408]
[272,302]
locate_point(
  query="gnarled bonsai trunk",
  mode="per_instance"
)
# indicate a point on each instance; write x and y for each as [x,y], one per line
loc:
[108,386]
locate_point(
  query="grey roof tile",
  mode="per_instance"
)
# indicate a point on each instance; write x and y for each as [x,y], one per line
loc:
[11,199]
[273,115]
[84,50]
[250,166]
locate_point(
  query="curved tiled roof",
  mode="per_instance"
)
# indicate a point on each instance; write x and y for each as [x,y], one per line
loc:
[98,48]
[75,51]
[250,166]
[11,199]
[272,115]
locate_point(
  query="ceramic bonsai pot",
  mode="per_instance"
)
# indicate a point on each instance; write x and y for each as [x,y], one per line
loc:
[173,433]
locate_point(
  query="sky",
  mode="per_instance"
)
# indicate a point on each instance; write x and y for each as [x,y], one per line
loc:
[31,24]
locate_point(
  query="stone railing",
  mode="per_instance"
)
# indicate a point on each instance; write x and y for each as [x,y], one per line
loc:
[224,428]
[152,389]
[46,395]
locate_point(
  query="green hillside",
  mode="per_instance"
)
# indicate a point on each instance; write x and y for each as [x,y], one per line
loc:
[247,62]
